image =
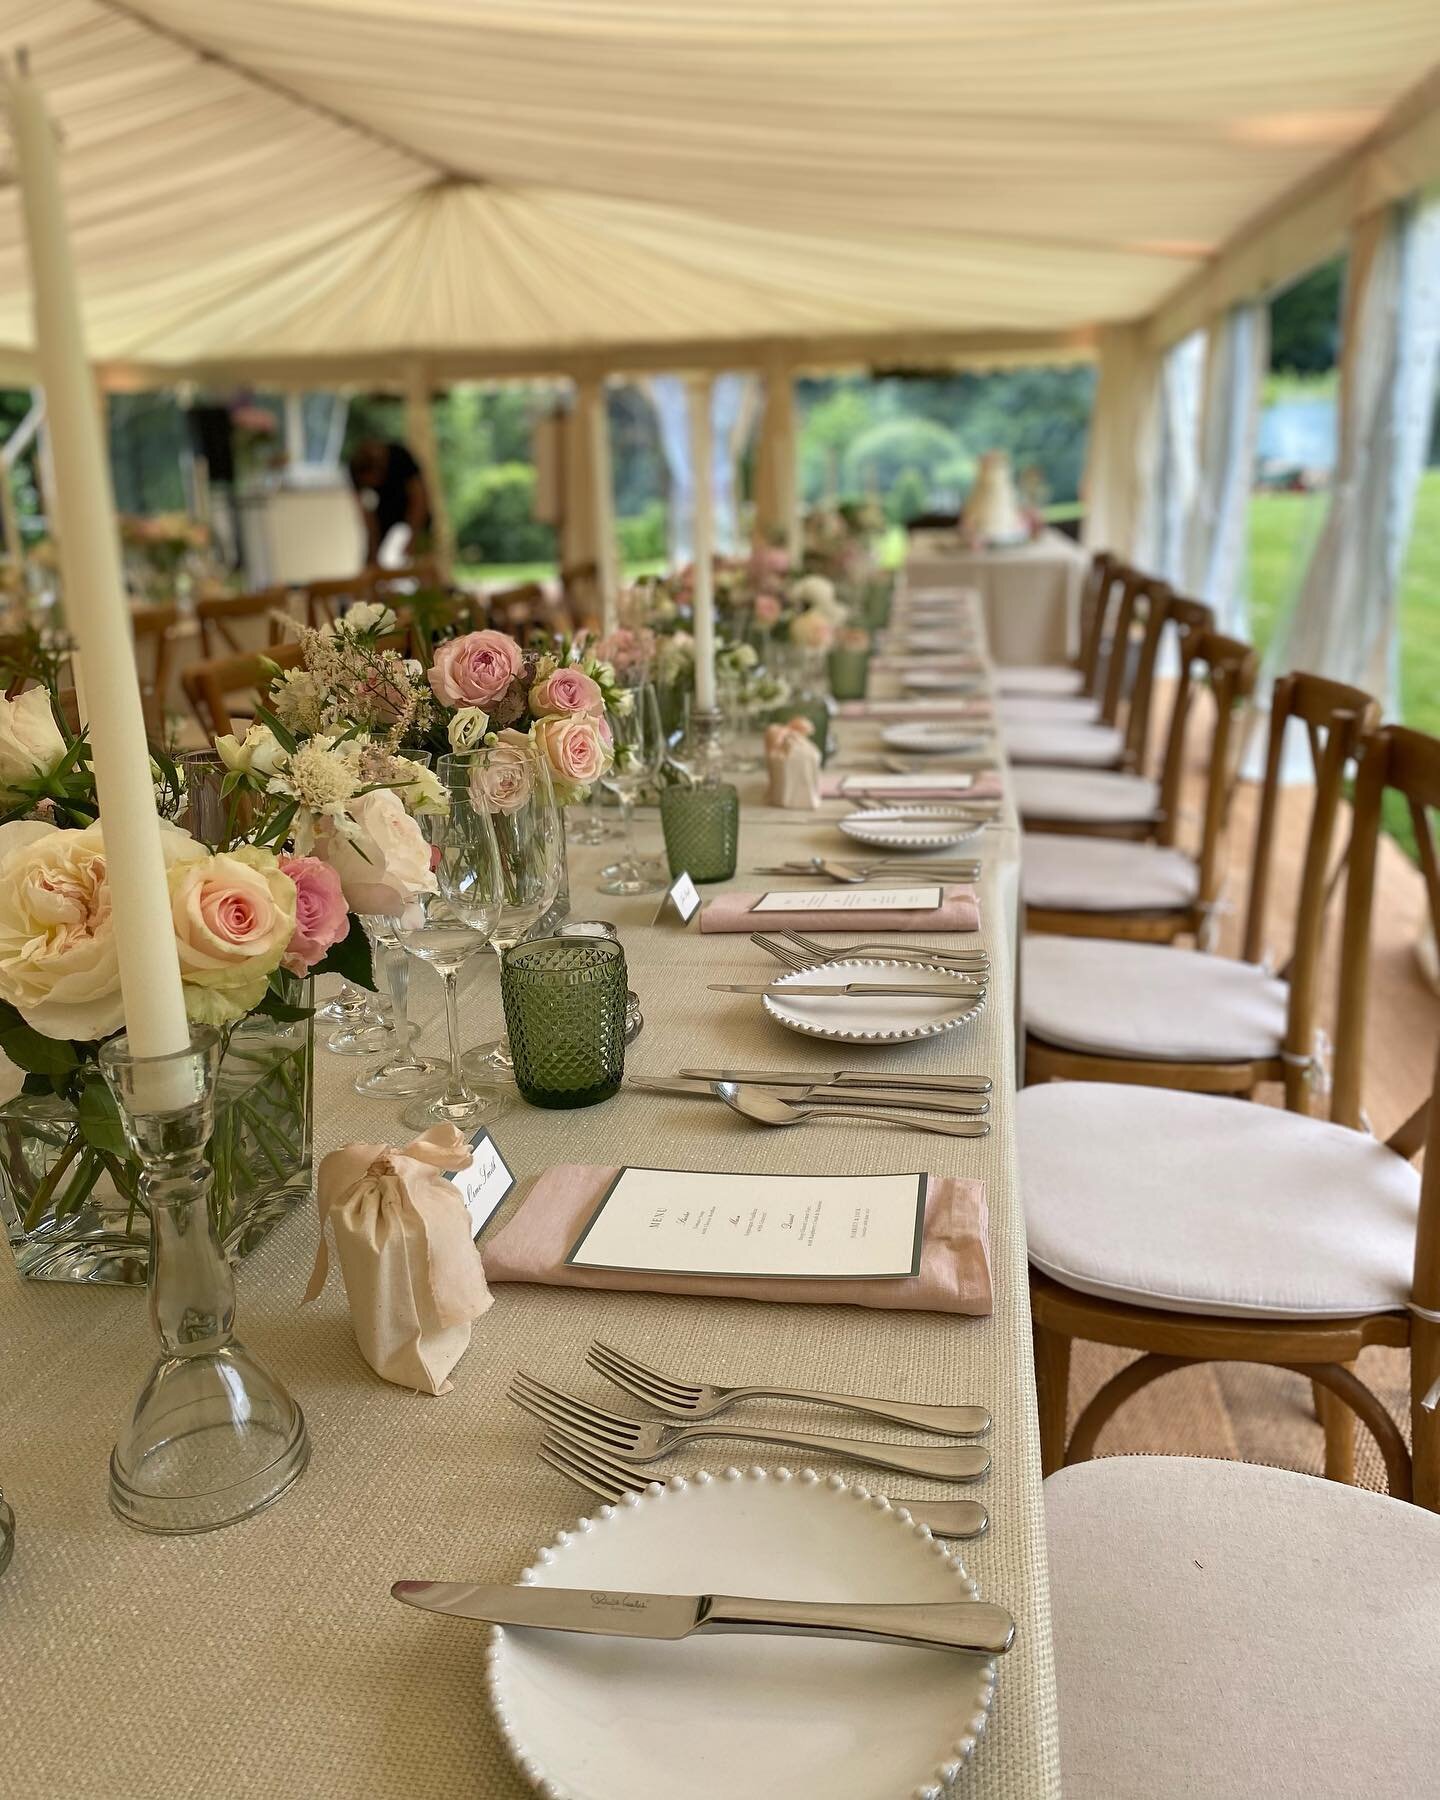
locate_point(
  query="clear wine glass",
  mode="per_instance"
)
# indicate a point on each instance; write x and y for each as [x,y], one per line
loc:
[404,1073]
[639,740]
[449,927]
[515,787]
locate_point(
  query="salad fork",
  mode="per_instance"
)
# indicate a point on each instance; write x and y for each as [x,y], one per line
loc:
[649,1442]
[807,953]
[680,1399]
[600,1473]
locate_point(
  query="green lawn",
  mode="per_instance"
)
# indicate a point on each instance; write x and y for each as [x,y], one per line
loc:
[1283,528]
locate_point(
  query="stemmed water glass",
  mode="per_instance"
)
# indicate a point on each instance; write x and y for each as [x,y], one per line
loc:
[449,927]
[516,789]
[639,742]
[404,1073]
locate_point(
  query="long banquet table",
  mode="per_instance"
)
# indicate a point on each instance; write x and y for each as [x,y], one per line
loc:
[1030,592]
[267,1661]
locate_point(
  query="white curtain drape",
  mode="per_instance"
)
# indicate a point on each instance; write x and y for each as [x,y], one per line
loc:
[732,413]
[1213,567]
[1177,471]
[1124,442]
[1345,619]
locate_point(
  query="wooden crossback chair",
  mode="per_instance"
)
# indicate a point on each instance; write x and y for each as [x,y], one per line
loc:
[1079,680]
[1094,874]
[1265,1237]
[154,631]
[1108,1011]
[213,685]
[224,619]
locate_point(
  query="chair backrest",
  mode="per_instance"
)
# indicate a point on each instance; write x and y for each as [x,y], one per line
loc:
[154,629]
[223,618]
[1405,763]
[1230,668]
[1129,654]
[1152,611]
[211,685]
[1337,719]
[1102,585]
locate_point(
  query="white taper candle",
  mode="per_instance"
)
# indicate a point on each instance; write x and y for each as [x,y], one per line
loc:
[95,599]
[703,538]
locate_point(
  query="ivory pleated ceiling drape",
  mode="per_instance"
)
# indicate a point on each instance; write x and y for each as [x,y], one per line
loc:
[306,186]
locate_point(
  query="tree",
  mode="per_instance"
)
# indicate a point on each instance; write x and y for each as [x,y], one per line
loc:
[1305,321]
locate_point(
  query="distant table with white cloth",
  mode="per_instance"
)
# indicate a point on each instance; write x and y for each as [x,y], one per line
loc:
[1031,592]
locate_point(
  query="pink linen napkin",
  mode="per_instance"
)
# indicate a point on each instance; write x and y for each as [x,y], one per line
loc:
[984,786]
[954,1254]
[917,707]
[731,912]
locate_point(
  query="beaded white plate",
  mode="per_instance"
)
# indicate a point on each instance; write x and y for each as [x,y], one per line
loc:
[595,1718]
[935,737]
[926,825]
[848,1020]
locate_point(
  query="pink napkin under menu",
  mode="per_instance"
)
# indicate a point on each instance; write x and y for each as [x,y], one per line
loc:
[896,790]
[954,1255]
[978,712]
[732,912]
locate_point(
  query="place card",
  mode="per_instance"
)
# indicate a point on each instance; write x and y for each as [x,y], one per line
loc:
[682,901]
[853,899]
[485,1184]
[771,1227]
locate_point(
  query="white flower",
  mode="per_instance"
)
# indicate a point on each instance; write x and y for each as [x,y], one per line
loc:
[817,594]
[319,776]
[258,753]
[366,618]
[298,701]
[466,728]
[419,787]
[30,740]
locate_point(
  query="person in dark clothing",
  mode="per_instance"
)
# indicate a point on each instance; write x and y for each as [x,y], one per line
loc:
[390,489]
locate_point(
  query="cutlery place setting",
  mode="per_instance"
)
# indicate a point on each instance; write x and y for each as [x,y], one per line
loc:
[961,869]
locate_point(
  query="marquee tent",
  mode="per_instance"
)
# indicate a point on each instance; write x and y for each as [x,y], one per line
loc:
[315,189]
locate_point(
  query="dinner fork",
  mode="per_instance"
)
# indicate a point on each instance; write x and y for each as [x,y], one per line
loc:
[610,1478]
[648,1442]
[805,955]
[680,1399]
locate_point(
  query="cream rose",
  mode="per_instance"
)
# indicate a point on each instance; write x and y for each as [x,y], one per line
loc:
[379,853]
[466,729]
[504,776]
[234,916]
[58,965]
[576,747]
[258,753]
[30,740]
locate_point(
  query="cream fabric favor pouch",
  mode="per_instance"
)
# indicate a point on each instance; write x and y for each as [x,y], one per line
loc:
[792,765]
[412,1274]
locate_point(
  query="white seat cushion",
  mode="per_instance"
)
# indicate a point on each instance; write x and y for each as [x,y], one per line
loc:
[1044,678]
[1150,1000]
[1199,1204]
[1083,746]
[1034,709]
[1105,875]
[1227,1632]
[1084,796]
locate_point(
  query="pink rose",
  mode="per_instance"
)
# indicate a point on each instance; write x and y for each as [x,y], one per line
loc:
[812,631]
[476,669]
[234,916]
[767,609]
[504,775]
[565,690]
[576,748]
[321,915]
[383,860]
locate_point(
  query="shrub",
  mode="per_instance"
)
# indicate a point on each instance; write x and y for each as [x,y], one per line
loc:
[495,517]
[642,538]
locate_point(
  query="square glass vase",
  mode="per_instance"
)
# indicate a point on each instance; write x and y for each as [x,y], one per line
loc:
[86,1226]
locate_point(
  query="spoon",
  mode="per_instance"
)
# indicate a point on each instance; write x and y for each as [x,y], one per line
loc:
[768,1109]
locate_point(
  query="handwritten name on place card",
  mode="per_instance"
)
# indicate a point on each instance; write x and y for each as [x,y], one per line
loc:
[900,899]
[485,1183]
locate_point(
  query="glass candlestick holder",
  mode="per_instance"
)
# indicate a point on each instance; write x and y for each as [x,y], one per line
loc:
[214,1436]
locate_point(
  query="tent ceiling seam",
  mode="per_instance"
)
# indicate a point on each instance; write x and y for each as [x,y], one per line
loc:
[198,48]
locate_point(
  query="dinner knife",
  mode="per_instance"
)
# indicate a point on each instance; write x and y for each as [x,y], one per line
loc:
[973,1626]
[847,1078]
[852,990]
[821,1094]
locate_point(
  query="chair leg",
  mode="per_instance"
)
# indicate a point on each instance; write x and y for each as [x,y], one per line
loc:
[1052,1390]
[1425,1423]
[1339,1423]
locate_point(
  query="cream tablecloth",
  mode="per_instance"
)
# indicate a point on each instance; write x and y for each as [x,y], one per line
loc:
[267,1662]
[1031,593]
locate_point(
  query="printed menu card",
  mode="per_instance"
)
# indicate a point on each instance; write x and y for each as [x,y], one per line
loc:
[811,1227]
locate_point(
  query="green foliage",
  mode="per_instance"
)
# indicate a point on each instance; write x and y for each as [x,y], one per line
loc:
[29,1050]
[899,448]
[494,514]
[1305,321]
[909,496]
[643,539]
